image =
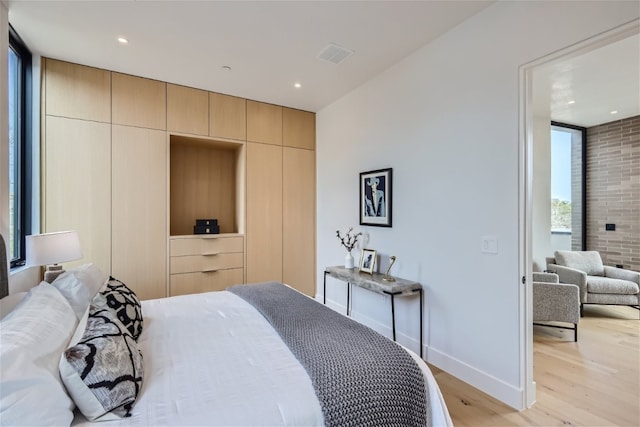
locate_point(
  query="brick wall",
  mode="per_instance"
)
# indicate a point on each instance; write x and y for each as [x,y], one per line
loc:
[613,191]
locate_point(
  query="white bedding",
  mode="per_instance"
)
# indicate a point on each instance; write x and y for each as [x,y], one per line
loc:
[212,359]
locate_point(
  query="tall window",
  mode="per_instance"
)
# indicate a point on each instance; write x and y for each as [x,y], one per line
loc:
[567,187]
[19,147]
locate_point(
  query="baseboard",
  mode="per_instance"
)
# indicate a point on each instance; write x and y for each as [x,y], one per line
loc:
[483,381]
[409,342]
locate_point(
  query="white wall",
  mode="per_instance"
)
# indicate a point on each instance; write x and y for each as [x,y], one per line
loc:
[446,120]
[541,217]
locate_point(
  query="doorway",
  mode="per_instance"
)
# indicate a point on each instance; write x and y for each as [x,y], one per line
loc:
[538,98]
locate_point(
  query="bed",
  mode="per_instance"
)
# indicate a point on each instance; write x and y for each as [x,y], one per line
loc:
[259,355]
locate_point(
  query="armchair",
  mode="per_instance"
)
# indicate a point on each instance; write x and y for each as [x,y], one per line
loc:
[598,283]
[555,302]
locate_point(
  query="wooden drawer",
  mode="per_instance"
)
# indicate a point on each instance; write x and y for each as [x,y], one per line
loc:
[206,263]
[193,283]
[206,245]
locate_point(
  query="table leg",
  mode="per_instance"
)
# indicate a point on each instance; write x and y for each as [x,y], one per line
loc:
[393,316]
[324,289]
[421,321]
[348,298]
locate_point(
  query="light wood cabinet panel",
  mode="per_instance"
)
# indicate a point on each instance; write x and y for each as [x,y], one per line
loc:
[227,116]
[138,101]
[139,221]
[299,212]
[77,185]
[264,213]
[298,129]
[264,123]
[193,283]
[77,91]
[206,245]
[206,263]
[187,110]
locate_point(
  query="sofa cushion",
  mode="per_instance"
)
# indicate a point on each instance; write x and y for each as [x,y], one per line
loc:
[607,285]
[587,261]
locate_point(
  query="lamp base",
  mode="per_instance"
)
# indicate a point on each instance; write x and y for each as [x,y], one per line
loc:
[52,272]
[388,279]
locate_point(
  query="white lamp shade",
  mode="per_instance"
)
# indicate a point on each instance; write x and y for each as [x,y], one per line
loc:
[53,248]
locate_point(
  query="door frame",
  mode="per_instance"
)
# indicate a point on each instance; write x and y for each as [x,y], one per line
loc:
[525,187]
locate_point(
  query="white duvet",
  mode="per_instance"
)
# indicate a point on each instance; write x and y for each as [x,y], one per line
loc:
[211,359]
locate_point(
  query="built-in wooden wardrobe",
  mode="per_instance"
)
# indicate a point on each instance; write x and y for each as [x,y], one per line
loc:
[131,163]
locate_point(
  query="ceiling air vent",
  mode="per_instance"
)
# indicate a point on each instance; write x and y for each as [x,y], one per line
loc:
[334,53]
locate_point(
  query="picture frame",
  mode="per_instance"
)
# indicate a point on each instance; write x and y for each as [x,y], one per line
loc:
[368,260]
[376,197]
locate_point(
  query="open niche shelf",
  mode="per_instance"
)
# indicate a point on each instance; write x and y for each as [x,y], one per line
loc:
[206,180]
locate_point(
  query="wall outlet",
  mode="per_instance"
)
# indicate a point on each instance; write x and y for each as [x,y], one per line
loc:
[610,227]
[489,245]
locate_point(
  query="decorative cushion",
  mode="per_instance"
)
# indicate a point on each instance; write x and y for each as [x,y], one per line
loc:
[32,337]
[124,304]
[607,285]
[80,285]
[103,370]
[587,261]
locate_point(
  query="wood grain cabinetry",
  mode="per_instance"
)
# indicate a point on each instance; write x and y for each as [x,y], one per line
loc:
[264,212]
[298,129]
[77,91]
[205,263]
[264,123]
[187,110]
[131,163]
[139,211]
[298,218]
[227,116]
[77,185]
[138,101]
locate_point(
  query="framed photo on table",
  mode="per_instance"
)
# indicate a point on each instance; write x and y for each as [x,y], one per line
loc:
[375,197]
[368,261]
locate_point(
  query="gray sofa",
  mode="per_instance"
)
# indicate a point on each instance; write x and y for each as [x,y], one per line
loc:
[598,283]
[555,302]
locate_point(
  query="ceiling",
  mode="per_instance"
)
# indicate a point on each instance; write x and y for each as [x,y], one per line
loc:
[585,90]
[271,45]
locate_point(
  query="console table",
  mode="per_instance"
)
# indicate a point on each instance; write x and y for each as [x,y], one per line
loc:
[375,283]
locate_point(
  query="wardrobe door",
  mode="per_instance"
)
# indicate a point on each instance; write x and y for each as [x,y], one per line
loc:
[77,185]
[299,212]
[139,220]
[264,212]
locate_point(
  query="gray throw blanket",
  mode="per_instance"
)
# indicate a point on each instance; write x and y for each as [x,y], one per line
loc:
[360,377]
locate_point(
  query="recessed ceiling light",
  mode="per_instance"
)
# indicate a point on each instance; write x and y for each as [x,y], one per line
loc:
[614,112]
[297,85]
[571,102]
[122,40]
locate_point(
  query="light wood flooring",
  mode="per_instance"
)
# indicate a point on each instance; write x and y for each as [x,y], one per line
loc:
[594,382]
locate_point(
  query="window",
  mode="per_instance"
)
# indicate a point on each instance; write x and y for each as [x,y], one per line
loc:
[19,147]
[567,187]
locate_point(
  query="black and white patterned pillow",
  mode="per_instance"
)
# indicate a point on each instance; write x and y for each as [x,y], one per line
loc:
[103,371]
[124,303]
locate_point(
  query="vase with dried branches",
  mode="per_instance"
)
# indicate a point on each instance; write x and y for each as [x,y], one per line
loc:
[349,241]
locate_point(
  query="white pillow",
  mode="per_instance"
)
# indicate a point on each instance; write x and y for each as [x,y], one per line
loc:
[8,303]
[33,337]
[80,285]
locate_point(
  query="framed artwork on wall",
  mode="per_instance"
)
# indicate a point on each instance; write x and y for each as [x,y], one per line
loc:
[375,197]
[368,261]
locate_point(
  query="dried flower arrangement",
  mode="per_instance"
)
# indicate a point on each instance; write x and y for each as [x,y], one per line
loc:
[348,240]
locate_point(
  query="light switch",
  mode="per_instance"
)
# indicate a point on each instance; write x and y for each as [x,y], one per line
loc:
[489,245]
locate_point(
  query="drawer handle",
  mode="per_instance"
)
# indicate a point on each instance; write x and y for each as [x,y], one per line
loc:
[210,271]
[211,254]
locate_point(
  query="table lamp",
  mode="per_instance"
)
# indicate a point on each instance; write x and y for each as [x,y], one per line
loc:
[50,249]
